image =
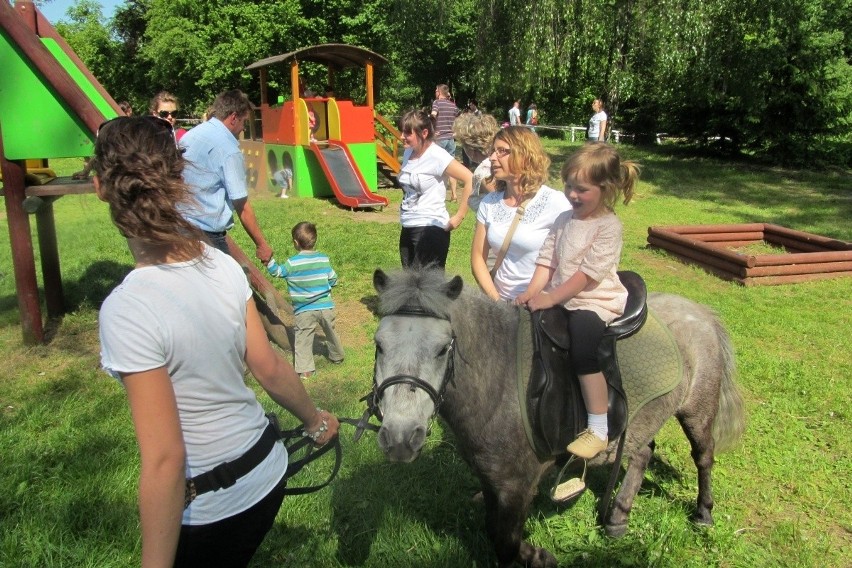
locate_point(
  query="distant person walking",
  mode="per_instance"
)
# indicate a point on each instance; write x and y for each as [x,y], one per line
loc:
[515,114]
[597,124]
[444,113]
[532,116]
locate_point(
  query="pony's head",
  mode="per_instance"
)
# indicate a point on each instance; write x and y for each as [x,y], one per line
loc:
[414,355]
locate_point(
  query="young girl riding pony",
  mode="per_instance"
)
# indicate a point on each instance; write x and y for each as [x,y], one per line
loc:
[576,268]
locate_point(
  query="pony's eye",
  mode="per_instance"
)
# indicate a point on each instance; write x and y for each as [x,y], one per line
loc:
[444,351]
[379,348]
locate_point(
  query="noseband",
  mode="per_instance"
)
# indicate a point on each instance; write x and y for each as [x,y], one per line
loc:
[375,397]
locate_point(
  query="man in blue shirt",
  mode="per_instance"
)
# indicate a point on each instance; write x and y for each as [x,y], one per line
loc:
[215,172]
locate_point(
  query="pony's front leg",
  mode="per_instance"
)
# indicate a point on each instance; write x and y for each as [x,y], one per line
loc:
[616,524]
[505,516]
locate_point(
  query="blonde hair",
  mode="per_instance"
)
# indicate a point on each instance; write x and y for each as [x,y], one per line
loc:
[474,131]
[528,158]
[601,165]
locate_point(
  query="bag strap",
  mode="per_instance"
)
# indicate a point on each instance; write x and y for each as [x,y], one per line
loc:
[508,240]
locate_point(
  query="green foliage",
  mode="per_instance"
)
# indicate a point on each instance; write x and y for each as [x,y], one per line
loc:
[770,78]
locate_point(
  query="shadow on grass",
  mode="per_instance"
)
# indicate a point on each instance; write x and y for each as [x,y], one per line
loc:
[809,200]
[91,289]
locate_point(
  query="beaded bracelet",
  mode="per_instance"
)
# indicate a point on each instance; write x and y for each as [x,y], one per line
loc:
[320,431]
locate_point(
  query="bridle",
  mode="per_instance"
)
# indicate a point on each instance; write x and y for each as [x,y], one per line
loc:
[437,395]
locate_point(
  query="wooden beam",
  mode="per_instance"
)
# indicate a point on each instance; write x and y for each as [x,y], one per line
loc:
[23,260]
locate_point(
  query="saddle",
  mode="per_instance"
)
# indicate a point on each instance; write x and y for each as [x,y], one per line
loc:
[554,403]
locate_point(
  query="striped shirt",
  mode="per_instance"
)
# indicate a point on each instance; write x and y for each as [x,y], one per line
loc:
[446,112]
[310,278]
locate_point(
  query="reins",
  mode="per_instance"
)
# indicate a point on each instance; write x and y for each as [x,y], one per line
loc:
[362,424]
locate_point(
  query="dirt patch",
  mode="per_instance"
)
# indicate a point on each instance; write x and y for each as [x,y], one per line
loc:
[389,214]
[349,325]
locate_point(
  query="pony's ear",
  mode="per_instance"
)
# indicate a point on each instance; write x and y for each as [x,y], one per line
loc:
[380,280]
[454,287]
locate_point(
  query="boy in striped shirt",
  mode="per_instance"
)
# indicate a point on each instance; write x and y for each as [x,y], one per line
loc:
[310,278]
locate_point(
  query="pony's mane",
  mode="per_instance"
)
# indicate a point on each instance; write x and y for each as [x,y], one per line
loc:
[423,288]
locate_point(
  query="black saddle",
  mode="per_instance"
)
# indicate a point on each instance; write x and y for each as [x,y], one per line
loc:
[555,405]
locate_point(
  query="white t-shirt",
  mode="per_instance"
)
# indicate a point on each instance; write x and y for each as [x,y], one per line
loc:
[514,274]
[514,116]
[190,317]
[425,194]
[595,125]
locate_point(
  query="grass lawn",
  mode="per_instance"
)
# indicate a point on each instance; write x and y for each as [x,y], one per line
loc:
[69,463]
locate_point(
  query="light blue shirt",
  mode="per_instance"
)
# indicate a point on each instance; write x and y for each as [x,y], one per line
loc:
[215,172]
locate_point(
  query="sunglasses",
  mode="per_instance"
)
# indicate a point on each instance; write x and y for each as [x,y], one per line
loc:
[501,152]
[167,113]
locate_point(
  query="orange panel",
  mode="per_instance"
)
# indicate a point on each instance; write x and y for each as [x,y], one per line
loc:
[278,124]
[356,123]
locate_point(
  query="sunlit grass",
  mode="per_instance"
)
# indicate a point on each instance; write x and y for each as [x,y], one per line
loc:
[69,460]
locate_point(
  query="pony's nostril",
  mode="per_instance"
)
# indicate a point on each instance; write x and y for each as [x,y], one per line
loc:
[417,439]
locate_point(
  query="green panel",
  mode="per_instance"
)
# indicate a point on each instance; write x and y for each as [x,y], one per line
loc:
[35,122]
[308,177]
[82,81]
[364,154]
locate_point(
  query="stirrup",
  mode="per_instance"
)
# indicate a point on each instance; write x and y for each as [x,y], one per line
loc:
[563,492]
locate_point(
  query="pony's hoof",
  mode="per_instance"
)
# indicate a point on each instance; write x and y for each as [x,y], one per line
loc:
[616,531]
[535,557]
[702,520]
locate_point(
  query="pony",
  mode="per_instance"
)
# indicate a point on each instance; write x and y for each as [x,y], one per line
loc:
[443,349]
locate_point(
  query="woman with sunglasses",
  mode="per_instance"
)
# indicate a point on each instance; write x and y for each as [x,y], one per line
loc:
[165,105]
[522,207]
[176,333]
[426,223]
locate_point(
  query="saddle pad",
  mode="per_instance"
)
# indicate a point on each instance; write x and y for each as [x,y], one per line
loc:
[650,364]
[649,360]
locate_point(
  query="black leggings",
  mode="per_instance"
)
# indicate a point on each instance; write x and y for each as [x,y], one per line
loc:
[231,542]
[421,246]
[586,329]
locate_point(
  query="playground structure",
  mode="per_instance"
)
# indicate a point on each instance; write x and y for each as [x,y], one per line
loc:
[51,107]
[342,158]
[809,256]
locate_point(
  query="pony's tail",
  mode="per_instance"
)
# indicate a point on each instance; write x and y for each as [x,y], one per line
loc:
[730,420]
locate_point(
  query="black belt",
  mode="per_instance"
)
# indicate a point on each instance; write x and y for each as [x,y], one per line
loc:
[226,474]
[217,233]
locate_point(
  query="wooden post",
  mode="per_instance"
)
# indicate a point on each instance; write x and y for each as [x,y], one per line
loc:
[49,251]
[369,69]
[23,260]
[294,87]
[264,77]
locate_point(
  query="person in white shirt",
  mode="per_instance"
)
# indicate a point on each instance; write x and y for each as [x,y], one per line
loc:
[426,223]
[519,167]
[177,332]
[597,124]
[515,114]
